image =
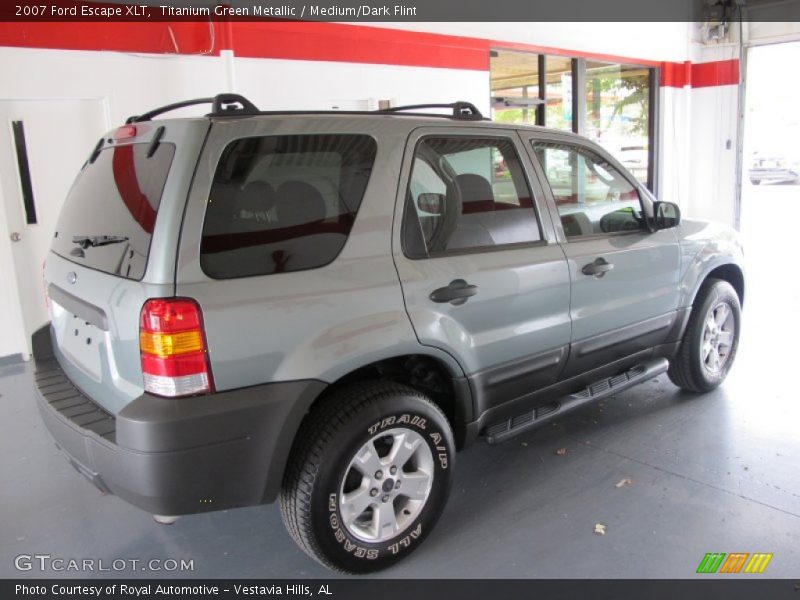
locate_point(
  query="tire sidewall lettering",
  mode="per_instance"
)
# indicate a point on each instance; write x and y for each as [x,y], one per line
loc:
[406,541]
[393,421]
[441,450]
[341,536]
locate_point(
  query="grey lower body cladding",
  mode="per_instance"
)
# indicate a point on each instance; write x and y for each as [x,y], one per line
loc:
[175,456]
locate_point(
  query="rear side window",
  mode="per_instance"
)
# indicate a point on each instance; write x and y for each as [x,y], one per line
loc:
[283,203]
[467,194]
[109,214]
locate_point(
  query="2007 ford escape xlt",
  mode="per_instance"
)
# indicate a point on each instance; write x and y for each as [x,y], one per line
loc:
[324,307]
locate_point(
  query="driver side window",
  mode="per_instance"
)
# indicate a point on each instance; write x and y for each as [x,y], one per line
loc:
[592,197]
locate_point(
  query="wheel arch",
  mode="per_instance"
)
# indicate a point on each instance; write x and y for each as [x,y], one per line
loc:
[446,387]
[730,272]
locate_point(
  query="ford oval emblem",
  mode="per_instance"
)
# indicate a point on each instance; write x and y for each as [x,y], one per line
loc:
[72,277]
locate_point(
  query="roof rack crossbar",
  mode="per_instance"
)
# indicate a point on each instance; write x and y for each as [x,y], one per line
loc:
[234,105]
[461,110]
[221,105]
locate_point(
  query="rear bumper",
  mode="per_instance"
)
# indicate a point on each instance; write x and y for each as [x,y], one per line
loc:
[175,456]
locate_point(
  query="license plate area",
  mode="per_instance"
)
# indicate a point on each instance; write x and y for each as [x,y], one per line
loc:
[79,341]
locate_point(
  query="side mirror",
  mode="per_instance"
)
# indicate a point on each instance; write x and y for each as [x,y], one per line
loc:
[665,215]
[431,203]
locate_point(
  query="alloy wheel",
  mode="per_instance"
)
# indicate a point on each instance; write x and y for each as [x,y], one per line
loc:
[386,485]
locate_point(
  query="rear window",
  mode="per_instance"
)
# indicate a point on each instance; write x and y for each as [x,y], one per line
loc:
[109,214]
[283,203]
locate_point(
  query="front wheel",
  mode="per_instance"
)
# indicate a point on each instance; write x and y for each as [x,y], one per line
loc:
[711,338]
[368,477]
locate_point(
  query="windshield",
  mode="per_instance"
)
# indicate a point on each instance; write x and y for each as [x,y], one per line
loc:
[110,212]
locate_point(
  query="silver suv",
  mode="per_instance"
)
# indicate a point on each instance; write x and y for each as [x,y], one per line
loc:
[324,307]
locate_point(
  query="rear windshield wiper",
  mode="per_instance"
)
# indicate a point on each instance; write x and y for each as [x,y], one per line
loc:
[92,241]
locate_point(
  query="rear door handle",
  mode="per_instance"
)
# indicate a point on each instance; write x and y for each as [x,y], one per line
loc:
[456,293]
[598,268]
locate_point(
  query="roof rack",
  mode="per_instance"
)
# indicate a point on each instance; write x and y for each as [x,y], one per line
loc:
[221,105]
[234,105]
[461,110]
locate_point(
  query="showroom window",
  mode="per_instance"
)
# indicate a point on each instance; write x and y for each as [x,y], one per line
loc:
[618,113]
[558,112]
[283,203]
[517,95]
[611,103]
[467,194]
[592,197]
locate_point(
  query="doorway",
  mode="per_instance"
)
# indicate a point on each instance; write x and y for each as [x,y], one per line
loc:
[43,144]
[770,200]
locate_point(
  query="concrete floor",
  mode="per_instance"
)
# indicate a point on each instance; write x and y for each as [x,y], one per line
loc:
[718,473]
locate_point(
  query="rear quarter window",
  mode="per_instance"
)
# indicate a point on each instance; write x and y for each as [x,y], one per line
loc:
[284,203]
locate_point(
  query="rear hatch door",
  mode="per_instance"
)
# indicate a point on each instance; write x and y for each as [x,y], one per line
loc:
[114,247]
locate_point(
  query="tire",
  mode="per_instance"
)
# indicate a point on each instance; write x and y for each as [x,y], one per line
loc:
[332,463]
[694,368]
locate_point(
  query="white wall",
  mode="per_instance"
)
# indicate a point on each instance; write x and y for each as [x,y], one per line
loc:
[675,126]
[131,83]
[11,322]
[300,85]
[713,140]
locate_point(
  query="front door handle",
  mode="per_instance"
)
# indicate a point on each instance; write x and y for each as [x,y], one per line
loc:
[456,293]
[598,268]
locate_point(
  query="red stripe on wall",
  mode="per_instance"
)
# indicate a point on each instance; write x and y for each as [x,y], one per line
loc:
[722,72]
[322,42]
[357,44]
[697,75]
[676,74]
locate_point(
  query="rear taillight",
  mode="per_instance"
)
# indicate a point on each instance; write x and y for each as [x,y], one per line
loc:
[173,348]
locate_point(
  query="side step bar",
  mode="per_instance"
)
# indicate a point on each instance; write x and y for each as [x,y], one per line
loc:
[504,430]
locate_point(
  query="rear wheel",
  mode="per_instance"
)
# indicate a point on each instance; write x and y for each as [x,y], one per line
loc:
[711,339]
[368,477]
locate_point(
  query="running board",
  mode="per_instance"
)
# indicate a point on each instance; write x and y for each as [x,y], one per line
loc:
[504,430]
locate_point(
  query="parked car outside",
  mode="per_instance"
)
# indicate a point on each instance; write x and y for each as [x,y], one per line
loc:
[773,170]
